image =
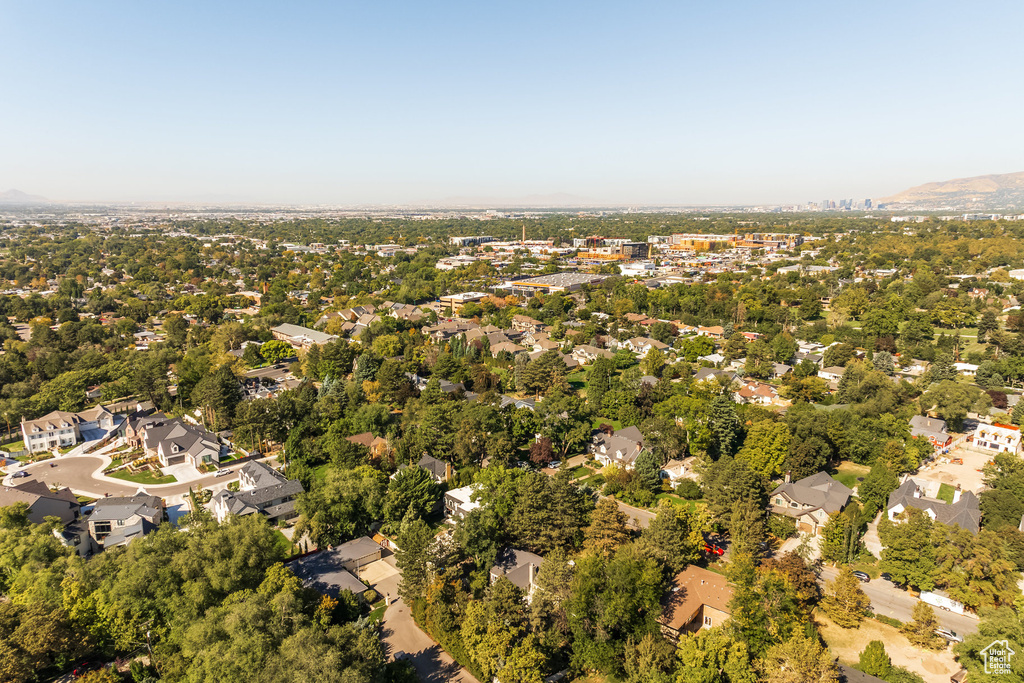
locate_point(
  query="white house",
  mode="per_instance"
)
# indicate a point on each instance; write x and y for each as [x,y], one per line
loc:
[998,438]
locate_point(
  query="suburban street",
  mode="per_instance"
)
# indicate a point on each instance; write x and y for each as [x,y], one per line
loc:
[83,475]
[890,601]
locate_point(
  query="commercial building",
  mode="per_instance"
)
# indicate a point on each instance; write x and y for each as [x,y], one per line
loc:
[550,284]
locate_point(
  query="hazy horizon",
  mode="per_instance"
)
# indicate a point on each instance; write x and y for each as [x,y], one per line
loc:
[648,104]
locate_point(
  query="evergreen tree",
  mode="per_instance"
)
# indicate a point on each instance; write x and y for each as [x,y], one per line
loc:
[414,541]
[845,602]
[607,530]
[874,661]
[747,528]
[675,536]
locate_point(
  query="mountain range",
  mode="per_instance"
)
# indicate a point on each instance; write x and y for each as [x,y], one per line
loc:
[1002,190]
[19,197]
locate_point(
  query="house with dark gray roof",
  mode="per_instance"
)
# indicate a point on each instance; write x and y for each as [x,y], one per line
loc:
[518,566]
[964,511]
[41,501]
[618,448]
[175,442]
[931,428]
[117,521]
[810,500]
[262,490]
[331,571]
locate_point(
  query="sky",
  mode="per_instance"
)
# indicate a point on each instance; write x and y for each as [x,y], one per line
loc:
[395,102]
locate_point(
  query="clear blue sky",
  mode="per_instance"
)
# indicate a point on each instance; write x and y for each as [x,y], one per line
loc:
[406,102]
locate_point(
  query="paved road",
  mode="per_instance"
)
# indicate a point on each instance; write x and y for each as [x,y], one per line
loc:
[641,518]
[83,475]
[403,639]
[892,602]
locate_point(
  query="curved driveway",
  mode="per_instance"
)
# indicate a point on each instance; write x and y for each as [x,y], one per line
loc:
[83,475]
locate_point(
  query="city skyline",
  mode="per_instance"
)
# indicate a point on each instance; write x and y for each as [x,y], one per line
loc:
[656,104]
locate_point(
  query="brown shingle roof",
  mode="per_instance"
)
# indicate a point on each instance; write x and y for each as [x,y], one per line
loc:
[691,589]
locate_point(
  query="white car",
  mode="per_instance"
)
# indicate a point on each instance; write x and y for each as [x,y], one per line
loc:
[554,464]
[221,473]
[951,636]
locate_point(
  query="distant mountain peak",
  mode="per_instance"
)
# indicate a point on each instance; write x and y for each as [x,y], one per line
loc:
[1003,190]
[19,197]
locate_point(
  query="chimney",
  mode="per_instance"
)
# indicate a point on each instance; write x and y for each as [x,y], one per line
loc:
[789,476]
[447,471]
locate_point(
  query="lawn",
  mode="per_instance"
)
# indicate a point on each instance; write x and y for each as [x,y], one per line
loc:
[146,477]
[595,481]
[848,473]
[282,542]
[579,471]
[596,424]
[946,493]
[690,505]
[377,613]
[13,446]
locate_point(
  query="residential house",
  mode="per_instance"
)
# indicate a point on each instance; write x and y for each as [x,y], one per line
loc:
[756,393]
[524,323]
[708,374]
[528,403]
[780,370]
[677,470]
[810,500]
[508,347]
[619,448]
[301,337]
[331,571]
[714,331]
[641,345]
[377,445]
[584,354]
[41,501]
[997,438]
[117,521]
[833,373]
[518,566]
[931,428]
[698,598]
[60,429]
[459,502]
[261,490]
[175,442]
[811,356]
[964,511]
[439,470]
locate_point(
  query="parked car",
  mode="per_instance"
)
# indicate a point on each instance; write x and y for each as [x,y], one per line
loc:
[864,578]
[84,668]
[951,636]
[554,464]
[222,473]
[19,475]
[714,549]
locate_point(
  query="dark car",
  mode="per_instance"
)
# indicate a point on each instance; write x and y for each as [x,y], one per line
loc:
[19,475]
[862,576]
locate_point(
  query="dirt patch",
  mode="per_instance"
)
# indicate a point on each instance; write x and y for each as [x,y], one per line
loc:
[847,644]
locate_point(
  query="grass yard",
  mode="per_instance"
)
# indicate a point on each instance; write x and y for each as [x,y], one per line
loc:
[596,424]
[848,472]
[377,613]
[282,542]
[579,471]
[144,478]
[946,493]
[690,505]
[595,481]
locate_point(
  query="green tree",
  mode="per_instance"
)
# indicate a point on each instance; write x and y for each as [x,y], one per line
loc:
[908,554]
[800,660]
[845,602]
[874,661]
[674,535]
[343,506]
[653,362]
[414,542]
[921,631]
[711,655]
[766,447]
[411,491]
[607,530]
[747,528]
[275,351]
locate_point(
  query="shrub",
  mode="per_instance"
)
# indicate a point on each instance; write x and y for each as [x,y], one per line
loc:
[781,527]
[370,596]
[689,490]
